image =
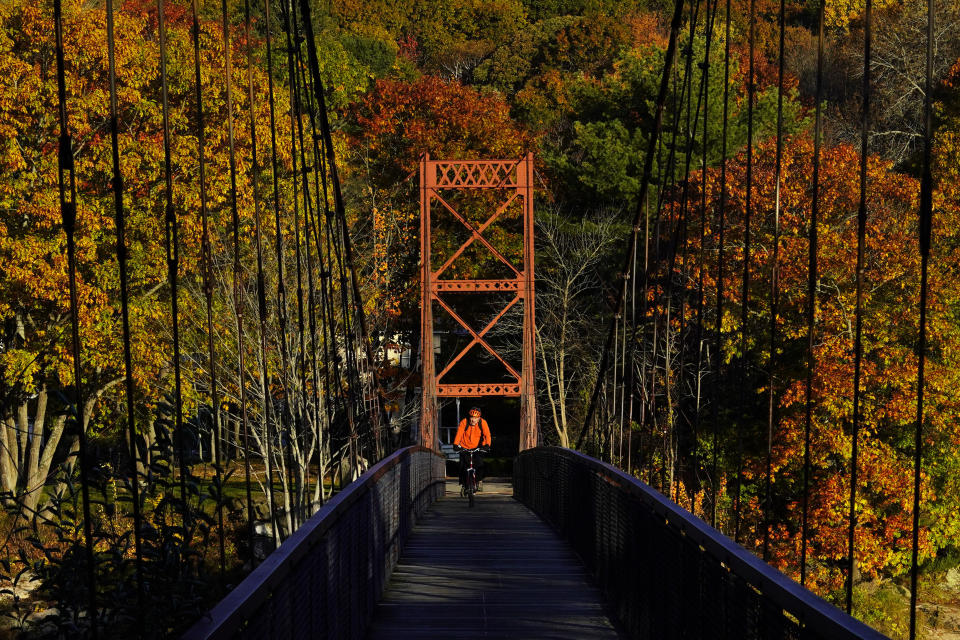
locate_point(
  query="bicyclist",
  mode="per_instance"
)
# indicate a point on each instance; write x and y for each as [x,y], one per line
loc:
[472,432]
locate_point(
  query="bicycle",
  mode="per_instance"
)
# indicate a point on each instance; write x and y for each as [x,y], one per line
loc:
[472,485]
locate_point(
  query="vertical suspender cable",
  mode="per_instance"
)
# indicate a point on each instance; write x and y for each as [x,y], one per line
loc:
[295,115]
[812,297]
[685,199]
[305,103]
[644,187]
[745,296]
[311,289]
[651,277]
[644,302]
[926,223]
[311,233]
[172,242]
[281,285]
[314,66]
[67,183]
[348,344]
[237,288]
[705,67]
[858,338]
[326,306]
[631,372]
[261,279]
[121,223]
[625,387]
[721,219]
[673,236]
[774,293]
[207,259]
[618,387]
[325,254]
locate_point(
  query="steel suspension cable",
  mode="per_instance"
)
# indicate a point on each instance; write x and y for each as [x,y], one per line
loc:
[294,38]
[644,187]
[261,278]
[295,117]
[656,295]
[328,327]
[324,260]
[745,296]
[121,223]
[812,295]
[326,306]
[281,282]
[339,210]
[312,231]
[304,172]
[774,292]
[67,184]
[237,287]
[311,234]
[673,232]
[858,337]
[615,372]
[925,228]
[349,351]
[721,215]
[643,319]
[693,120]
[207,267]
[650,258]
[172,246]
[710,21]
[311,289]
[305,107]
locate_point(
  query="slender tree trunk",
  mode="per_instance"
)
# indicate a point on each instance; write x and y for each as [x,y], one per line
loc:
[8,475]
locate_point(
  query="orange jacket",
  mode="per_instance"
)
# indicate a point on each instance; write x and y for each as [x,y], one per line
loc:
[470,437]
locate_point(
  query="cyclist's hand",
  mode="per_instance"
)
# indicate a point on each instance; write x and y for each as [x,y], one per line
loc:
[457,447]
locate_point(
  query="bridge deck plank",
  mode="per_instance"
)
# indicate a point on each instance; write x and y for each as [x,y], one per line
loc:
[494,571]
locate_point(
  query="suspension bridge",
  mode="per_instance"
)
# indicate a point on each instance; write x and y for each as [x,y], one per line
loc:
[571,545]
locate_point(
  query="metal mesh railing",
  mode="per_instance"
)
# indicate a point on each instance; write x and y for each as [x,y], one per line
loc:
[666,573]
[324,580]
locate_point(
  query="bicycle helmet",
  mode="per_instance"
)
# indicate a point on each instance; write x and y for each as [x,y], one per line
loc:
[474,412]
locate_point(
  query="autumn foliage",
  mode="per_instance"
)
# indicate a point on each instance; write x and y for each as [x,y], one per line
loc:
[574,82]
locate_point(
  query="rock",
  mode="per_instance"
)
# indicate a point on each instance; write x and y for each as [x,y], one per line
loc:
[953,579]
[24,587]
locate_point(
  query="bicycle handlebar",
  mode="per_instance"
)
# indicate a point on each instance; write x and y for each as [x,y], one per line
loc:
[480,449]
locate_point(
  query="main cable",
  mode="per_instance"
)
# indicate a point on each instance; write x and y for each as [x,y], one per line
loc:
[745,296]
[121,226]
[207,267]
[858,339]
[261,278]
[172,246]
[812,277]
[67,184]
[926,224]
[774,293]
[710,22]
[721,215]
[281,283]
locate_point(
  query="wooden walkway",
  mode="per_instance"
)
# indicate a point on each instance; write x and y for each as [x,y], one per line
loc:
[493,571]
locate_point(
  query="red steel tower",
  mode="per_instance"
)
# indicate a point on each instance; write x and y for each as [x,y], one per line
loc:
[514,178]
